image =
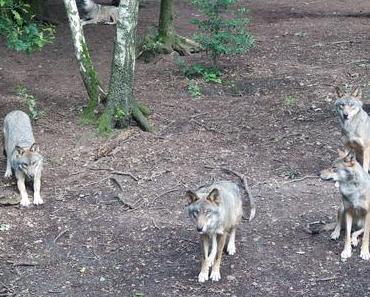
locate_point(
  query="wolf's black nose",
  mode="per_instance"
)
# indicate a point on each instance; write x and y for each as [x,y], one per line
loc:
[345,116]
[199,229]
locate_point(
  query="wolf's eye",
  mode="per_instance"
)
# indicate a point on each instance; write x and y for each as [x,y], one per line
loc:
[24,165]
[195,213]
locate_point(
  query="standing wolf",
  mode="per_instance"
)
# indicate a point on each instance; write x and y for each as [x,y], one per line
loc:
[22,154]
[216,210]
[354,187]
[355,124]
[93,13]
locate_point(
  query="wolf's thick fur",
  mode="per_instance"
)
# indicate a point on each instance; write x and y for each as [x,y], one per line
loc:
[216,210]
[22,154]
[93,13]
[354,187]
[355,124]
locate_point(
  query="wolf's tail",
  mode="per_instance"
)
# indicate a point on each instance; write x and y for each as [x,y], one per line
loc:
[252,201]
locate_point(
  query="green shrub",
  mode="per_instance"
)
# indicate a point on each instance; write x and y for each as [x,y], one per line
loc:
[219,34]
[19,28]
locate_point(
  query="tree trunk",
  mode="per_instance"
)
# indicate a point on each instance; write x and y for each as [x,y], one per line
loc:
[166,30]
[122,106]
[87,69]
[167,38]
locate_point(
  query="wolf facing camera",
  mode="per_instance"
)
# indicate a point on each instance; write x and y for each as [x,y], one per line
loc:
[216,210]
[354,211]
[355,124]
[22,155]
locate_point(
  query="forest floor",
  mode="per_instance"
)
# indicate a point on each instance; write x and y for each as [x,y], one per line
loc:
[272,119]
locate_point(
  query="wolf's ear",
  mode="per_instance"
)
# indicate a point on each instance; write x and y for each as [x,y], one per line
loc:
[214,196]
[339,92]
[191,196]
[34,147]
[357,93]
[19,150]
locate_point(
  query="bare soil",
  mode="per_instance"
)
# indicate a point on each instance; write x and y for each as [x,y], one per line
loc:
[271,119]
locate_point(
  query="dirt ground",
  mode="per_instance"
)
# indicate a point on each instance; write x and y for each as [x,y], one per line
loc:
[272,119]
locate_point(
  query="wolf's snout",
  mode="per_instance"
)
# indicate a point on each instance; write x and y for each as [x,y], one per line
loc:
[199,229]
[345,116]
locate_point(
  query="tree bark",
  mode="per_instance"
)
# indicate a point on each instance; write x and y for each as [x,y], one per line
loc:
[167,37]
[87,69]
[122,106]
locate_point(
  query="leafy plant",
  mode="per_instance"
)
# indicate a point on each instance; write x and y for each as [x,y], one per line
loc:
[31,102]
[194,89]
[219,34]
[208,74]
[19,28]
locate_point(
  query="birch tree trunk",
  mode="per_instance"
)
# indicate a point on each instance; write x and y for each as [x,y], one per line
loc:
[122,106]
[87,69]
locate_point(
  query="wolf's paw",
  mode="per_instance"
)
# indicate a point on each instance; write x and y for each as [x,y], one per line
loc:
[203,276]
[335,234]
[8,174]
[347,253]
[25,202]
[37,200]
[365,255]
[215,275]
[231,249]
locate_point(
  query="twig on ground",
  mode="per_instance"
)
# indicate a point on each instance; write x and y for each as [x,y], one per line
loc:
[113,171]
[165,193]
[206,127]
[299,179]
[23,263]
[60,235]
[155,224]
[325,279]
[120,196]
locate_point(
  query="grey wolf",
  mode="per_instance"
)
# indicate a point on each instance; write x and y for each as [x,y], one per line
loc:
[93,13]
[216,210]
[354,187]
[22,155]
[355,124]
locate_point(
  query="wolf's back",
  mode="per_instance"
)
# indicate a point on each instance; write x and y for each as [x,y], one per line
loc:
[87,8]
[17,131]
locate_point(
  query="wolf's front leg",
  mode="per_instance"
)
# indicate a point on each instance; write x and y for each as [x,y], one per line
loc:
[212,255]
[215,273]
[22,189]
[203,275]
[366,160]
[37,188]
[231,249]
[8,172]
[347,251]
[365,240]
